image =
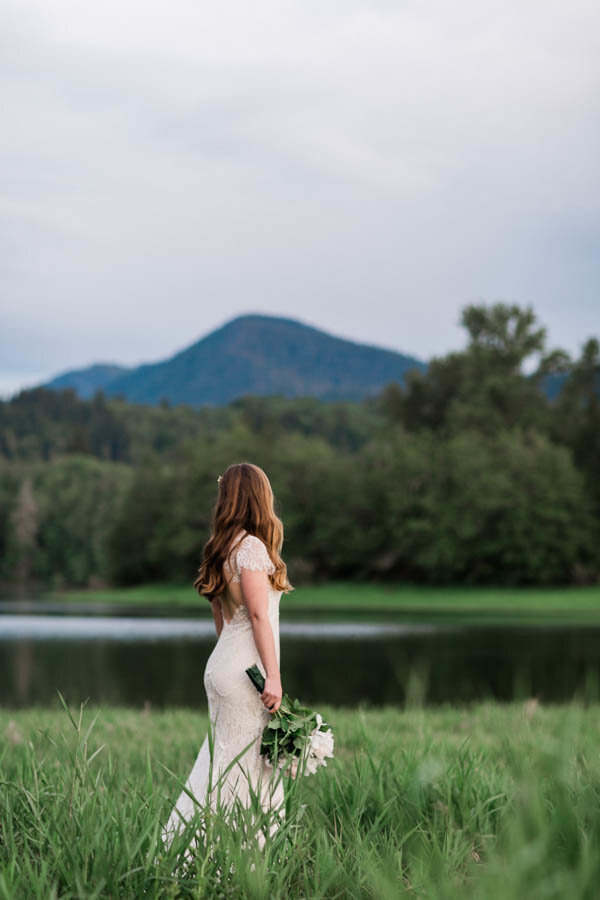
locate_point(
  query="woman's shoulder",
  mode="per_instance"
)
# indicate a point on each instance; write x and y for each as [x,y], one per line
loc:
[251,553]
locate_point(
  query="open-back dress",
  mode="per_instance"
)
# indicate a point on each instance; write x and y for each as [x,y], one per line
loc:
[237,714]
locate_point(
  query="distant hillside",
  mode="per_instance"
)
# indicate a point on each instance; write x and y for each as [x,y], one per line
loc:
[552,385]
[252,354]
[87,381]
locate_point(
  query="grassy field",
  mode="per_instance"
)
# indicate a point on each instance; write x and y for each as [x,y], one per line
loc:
[567,603]
[491,802]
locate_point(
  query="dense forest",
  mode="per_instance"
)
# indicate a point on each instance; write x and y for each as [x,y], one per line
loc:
[478,469]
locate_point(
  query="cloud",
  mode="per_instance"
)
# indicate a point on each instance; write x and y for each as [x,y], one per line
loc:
[369,167]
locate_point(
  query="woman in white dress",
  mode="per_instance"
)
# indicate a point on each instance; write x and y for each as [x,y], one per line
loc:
[243,577]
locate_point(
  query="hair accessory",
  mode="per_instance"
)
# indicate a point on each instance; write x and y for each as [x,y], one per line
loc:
[219,479]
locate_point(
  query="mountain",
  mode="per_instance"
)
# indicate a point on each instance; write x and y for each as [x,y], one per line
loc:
[552,385]
[252,354]
[87,381]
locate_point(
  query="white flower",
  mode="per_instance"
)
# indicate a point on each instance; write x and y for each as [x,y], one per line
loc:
[321,744]
[312,764]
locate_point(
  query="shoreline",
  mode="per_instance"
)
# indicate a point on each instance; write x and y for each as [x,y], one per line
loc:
[550,604]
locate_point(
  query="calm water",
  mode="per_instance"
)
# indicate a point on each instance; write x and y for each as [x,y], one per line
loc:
[140,656]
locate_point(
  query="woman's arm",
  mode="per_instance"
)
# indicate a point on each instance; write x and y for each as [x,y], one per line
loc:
[215,605]
[254,584]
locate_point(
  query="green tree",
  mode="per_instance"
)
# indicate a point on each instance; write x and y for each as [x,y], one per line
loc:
[78,499]
[470,508]
[576,415]
[484,386]
[25,524]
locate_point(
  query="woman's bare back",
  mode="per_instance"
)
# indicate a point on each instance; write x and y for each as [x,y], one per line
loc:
[232,597]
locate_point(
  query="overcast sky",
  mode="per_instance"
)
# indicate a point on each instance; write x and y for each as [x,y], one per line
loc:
[367,168]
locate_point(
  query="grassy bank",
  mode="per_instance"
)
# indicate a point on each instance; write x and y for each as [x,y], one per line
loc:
[486,802]
[567,603]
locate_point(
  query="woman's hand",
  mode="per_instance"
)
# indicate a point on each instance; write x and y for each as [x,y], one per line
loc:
[271,696]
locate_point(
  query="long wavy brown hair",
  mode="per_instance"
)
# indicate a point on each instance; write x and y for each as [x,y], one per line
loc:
[245,501]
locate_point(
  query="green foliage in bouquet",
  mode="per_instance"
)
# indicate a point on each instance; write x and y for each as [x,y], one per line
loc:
[291,731]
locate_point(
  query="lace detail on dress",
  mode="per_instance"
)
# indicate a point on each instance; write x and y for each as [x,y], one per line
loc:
[240,615]
[251,553]
[238,717]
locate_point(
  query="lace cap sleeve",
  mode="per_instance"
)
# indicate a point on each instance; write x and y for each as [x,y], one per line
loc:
[252,554]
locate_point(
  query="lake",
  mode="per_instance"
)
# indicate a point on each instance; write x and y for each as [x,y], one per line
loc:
[152,656]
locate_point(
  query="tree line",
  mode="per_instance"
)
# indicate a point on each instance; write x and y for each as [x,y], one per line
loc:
[483,469]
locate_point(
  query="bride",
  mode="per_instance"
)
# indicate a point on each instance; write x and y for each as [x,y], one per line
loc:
[243,577]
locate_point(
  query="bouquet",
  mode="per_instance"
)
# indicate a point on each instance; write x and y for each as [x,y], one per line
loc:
[295,736]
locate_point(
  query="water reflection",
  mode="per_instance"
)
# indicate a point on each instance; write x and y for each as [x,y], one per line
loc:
[134,660]
[123,628]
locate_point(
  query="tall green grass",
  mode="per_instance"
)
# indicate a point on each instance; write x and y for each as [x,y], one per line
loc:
[487,801]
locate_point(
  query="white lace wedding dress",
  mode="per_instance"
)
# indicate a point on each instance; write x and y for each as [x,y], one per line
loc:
[236,711]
